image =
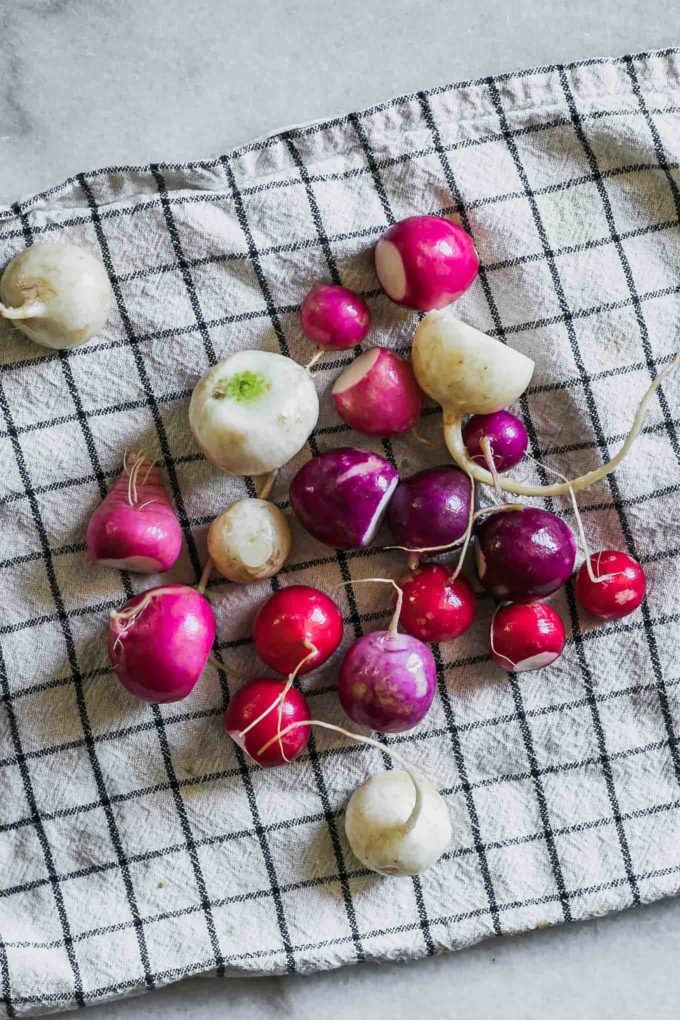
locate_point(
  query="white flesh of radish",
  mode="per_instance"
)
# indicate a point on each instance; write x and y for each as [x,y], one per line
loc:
[390,269]
[250,541]
[359,368]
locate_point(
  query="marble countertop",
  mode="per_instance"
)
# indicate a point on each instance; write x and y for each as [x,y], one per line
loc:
[86,83]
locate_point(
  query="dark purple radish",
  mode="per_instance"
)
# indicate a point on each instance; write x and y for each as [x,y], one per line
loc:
[430,510]
[499,437]
[341,496]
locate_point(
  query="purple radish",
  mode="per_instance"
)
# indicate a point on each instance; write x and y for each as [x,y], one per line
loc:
[505,435]
[523,554]
[431,508]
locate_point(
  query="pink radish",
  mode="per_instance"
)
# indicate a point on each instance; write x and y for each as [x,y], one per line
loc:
[437,607]
[297,625]
[615,589]
[425,262]
[334,318]
[251,722]
[159,642]
[378,394]
[526,636]
[135,527]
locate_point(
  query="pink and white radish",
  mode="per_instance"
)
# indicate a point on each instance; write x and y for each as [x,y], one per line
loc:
[431,509]
[437,606]
[341,496]
[297,629]
[616,588]
[249,541]
[523,553]
[334,318]
[499,438]
[253,412]
[159,642]
[250,720]
[378,394]
[135,527]
[58,294]
[526,636]
[425,262]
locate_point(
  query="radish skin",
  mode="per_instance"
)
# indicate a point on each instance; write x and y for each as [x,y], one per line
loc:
[616,588]
[334,318]
[378,394]
[526,636]
[293,622]
[251,722]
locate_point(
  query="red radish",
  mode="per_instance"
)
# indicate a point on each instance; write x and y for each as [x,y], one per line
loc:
[425,262]
[526,636]
[159,642]
[293,623]
[251,710]
[334,318]
[619,591]
[505,435]
[437,607]
[135,527]
[378,394]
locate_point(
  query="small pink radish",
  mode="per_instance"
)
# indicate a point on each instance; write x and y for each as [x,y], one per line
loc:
[437,607]
[378,394]
[615,589]
[251,722]
[135,527]
[334,318]
[159,642]
[425,262]
[526,636]
[499,437]
[292,624]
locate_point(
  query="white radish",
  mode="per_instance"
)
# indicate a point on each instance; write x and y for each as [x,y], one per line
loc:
[249,541]
[57,294]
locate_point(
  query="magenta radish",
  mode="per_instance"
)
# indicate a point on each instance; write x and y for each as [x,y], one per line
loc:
[159,642]
[523,553]
[431,509]
[526,636]
[499,437]
[425,262]
[293,623]
[250,720]
[378,394]
[334,318]
[135,527]
[616,588]
[341,496]
[437,607]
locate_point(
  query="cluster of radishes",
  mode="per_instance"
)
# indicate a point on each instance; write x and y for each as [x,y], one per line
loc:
[255,411]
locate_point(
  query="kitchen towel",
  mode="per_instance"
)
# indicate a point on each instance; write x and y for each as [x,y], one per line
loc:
[137,844]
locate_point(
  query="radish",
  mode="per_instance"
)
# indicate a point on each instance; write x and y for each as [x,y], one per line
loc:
[251,722]
[437,607]
[159,642]
[615,589]
[253,412]
[378,394]
[430,510]
[135,527]
[57,294]
[499,437]
[295,624]
[468,372]
[334,318]
[523,553]
[249,541]
[342,495]
[526,636]
[425,262]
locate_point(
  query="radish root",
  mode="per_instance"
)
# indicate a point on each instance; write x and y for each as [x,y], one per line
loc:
[394,622]
[317,357]
[499,654]
[468,530]
[487,450]
[268,485]
[131,615]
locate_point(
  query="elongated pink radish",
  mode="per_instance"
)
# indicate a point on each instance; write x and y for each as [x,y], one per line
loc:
[378,394]
[135,527]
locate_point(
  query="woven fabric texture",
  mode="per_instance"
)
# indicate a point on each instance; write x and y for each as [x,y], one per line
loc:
[137,844]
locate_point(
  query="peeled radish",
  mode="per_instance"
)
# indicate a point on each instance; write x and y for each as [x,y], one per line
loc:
[159,642]
[499,437]
[524,553]
[253,412]
[57,294]
[250,710]
[425,262]
[249,541]
[334,318]
[378,394]
[526,636]
[617,587]
[430,509]
[342,495]
[295,624]
[135,527]
[437,607]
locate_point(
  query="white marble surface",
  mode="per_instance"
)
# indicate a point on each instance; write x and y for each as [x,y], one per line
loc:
[85,84]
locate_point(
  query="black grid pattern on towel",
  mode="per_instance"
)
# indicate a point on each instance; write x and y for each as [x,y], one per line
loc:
[137,843]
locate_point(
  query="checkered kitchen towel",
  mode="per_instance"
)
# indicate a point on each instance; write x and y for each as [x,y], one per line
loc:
[137,845]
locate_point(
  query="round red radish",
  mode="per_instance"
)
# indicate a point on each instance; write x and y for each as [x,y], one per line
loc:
[334,318]
[437,608]
[425,262]
[135,527]
[249,703]
[159,642]
[292,623]
[617,596]
[526,636]
[378,394]
[506,435]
